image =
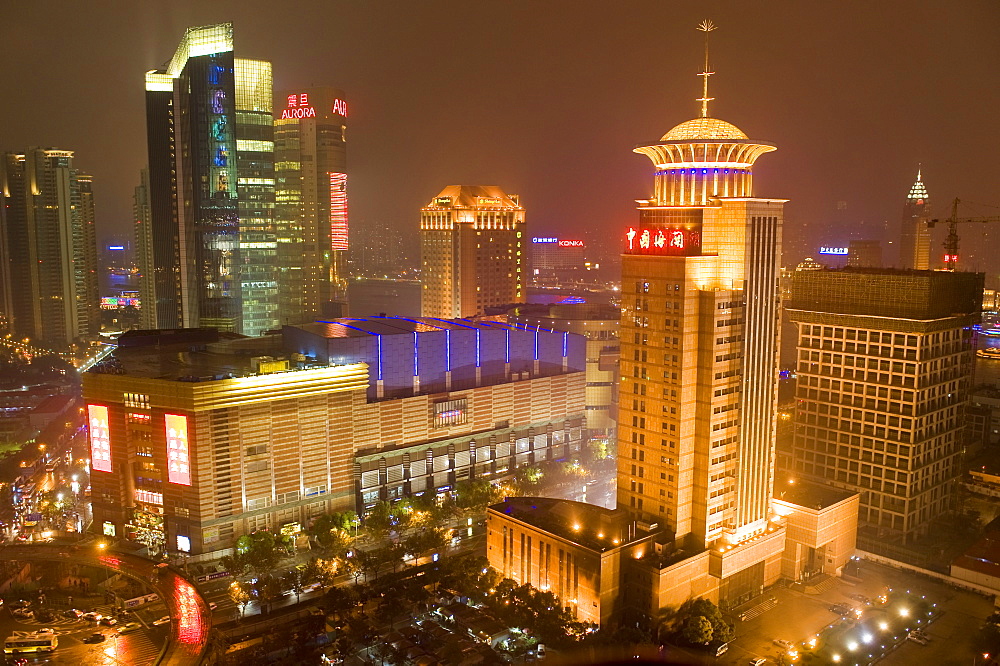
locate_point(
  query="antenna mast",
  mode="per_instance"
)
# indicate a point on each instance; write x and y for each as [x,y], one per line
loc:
[705,26]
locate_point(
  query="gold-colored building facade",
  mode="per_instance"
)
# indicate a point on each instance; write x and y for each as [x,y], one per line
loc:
[473,251]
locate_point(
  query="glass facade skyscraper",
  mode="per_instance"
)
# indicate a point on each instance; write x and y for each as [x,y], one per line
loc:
[211,187]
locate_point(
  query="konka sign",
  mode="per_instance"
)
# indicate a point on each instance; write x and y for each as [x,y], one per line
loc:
[676,242]
[571,243]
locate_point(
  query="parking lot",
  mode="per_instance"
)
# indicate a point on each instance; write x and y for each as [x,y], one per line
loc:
[797,616]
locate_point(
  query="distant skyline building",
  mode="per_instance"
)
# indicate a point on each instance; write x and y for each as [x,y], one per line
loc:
[48,247]
[553,257]
[210,137]
[883,380]
[867,253]
[311,218]
[915,239]
[473,251]
[144,251]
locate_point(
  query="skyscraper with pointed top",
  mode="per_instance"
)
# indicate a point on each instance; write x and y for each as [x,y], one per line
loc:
[697,408]
[915,236]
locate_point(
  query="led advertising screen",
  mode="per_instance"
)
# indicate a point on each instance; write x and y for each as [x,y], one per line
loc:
[100,438]
[178,459]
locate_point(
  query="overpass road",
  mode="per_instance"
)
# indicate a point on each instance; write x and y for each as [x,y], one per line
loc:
[191,617]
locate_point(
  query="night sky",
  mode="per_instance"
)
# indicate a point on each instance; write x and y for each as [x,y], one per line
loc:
[547,98]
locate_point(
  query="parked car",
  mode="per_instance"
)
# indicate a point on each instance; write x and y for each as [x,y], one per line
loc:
[96,637]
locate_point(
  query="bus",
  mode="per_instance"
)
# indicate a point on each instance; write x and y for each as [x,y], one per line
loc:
[31,641]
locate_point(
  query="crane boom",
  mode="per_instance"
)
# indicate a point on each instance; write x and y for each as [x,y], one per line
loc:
[951,240]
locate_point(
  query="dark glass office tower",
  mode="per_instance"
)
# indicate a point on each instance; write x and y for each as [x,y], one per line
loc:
[211,187]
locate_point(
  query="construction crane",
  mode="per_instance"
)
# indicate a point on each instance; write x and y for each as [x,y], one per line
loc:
[951,240]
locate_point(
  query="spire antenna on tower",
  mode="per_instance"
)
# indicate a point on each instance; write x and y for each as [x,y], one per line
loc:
[705,26]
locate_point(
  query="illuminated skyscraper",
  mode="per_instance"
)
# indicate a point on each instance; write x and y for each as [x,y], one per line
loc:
[211,187]
[48,248]
[697,410]
[473,251]
[310,134]
[915,240]
[144,251]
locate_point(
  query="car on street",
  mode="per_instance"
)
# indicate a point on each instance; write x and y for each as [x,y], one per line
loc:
[92,616]
[44,616]
[862,598]
[20,603]
[129,627]
[72,613]
[108,621]
[23,613]
[163,620]
[783,644]
[842,609]
[916,638]
[919,633]
[759,661]
[212,605]
[96,637]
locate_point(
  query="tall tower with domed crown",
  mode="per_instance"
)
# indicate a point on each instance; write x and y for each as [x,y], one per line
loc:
[915,236]
[699,342]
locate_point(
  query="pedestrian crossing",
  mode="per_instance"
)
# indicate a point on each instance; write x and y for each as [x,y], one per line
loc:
[140,649]
[758,609]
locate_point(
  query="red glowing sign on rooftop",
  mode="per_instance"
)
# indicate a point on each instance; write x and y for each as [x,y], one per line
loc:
[340,107]
[298,107]
[677,242]
[338,211]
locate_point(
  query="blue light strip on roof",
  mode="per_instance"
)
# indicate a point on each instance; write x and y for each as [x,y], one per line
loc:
[508,345]
[477,348]
[416,366]
[447,350]
[565,344]
[378,338]
[536,345]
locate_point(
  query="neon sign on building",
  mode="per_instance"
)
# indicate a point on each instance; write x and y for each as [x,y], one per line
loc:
[100,438]
[178,457]
[676,242]
[298,108]
[340,107]
[571,243]
[833,250]
[338,211]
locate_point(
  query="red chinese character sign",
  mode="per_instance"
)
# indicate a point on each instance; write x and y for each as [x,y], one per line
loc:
[178,457]
[298,107]
[668,242]
[100,438]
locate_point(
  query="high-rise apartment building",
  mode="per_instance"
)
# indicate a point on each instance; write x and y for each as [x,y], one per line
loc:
[883,379]
[310,140]
[210,137]
[473,251]
[48,247]
[915,239]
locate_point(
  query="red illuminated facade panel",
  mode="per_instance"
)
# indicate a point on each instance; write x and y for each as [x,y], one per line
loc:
[100,438]
[338,211]
[178,455]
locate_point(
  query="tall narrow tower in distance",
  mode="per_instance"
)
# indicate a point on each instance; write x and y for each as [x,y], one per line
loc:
[915,236]
[699,337]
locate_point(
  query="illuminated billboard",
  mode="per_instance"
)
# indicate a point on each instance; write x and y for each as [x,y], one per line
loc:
[663,241]
[100,438]
[178,458]
[338,211]
[833,250]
